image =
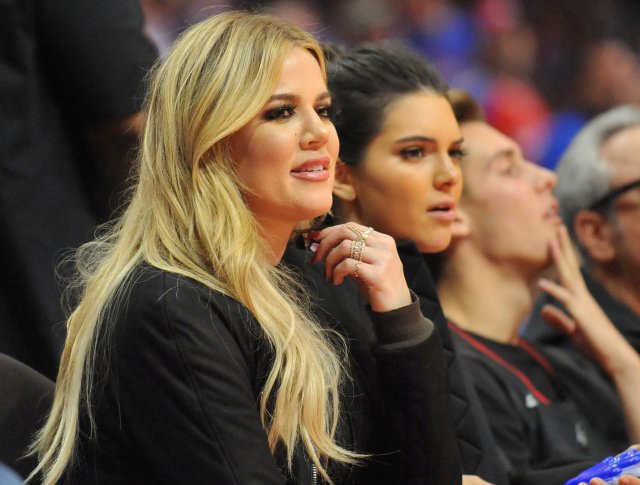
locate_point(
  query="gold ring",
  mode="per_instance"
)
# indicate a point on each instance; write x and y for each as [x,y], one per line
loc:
[354,273]
[355,230]
[355,251]
[366,233]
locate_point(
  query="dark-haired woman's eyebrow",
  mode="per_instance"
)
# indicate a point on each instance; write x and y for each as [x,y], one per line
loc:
[415,138]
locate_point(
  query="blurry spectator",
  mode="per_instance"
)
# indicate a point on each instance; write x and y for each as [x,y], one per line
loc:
[599,194]
[303,14]
[359,21]
[440,30]
[166,19]
[610,76]
[69,75]
[517,109]
[508,53]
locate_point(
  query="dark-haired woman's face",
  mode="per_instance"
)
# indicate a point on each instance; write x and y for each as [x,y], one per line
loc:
[410,181]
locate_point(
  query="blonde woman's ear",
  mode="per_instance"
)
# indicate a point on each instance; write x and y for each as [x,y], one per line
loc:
[343,187]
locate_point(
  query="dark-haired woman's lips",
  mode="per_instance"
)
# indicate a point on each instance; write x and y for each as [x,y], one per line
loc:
[444,211]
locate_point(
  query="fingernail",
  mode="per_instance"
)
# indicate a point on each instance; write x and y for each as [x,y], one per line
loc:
[313,247]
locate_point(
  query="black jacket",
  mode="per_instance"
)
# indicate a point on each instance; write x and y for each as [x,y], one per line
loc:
[479,452]
[177,391]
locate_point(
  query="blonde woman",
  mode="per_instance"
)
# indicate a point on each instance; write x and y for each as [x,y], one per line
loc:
[192,356]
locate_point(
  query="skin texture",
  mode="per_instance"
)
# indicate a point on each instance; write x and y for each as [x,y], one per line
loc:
[292,129]
[410,167]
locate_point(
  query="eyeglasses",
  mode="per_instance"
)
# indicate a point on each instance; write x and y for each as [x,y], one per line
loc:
[610,196]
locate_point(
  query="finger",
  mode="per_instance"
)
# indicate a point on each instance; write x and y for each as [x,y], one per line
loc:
[560,260]
[572,255]
[357,270]
[629,480]
[559,292]
[597,481]
[329,238]
[558,319]
[342,251]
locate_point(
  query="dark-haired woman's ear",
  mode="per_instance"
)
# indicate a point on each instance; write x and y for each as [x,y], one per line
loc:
[343,187]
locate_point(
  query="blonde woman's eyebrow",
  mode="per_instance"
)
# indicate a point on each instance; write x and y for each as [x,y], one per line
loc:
[294,97]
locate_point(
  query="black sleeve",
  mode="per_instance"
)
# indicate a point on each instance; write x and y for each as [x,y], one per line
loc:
[186,393]
[414,392]
[97,54]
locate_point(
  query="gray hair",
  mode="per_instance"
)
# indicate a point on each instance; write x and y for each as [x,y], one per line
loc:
[583,175]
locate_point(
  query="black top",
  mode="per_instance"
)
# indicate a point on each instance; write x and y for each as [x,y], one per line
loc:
[624,318]
[65,66]
[179,383]
[478,448]
[552,414]
[429,438]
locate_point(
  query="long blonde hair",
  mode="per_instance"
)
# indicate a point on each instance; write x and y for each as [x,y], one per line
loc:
[187,216]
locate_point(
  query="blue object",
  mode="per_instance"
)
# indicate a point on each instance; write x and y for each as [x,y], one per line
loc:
[8,476]
[611,468]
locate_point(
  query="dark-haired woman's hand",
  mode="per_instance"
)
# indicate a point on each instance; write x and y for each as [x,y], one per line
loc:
[367,256]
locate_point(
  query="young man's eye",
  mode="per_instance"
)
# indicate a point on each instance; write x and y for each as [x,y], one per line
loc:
[412,152]
[509,169]
[280,113]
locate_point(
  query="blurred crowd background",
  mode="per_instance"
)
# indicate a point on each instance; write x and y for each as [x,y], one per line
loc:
[541,68]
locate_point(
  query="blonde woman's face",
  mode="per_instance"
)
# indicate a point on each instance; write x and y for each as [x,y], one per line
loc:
[286,155]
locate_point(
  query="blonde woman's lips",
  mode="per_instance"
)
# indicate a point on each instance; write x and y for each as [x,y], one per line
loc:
[316,170]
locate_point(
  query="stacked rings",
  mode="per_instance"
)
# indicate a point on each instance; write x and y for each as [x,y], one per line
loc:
[356,249]
[357,246]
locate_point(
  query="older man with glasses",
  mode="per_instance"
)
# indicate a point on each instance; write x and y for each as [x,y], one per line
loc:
[599,193]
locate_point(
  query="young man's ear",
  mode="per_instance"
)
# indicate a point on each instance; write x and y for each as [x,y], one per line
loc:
[343,187]
[460,227]
[595,235]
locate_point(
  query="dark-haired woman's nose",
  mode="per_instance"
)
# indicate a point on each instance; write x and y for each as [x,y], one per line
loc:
[447,172]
